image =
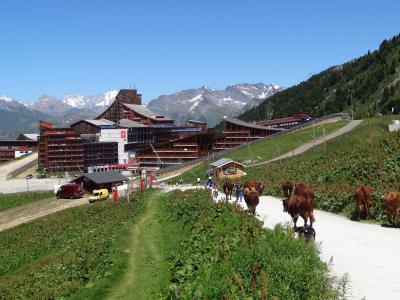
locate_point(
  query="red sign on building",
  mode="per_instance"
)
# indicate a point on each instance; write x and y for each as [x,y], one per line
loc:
[123,134]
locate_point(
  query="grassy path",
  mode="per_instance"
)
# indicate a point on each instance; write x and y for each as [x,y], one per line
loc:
[147,270]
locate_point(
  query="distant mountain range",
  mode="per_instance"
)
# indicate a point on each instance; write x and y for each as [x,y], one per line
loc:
[205,104]
[19,116]
[211,105]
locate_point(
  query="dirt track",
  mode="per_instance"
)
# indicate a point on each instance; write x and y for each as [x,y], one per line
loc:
[26,213]
[368,253]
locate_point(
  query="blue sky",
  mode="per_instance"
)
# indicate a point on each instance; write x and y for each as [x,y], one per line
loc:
[57,47]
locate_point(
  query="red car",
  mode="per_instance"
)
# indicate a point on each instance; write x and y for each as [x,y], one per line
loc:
[70,191]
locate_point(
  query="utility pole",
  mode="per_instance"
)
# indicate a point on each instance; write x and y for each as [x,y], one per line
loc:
[313,129]
[351,101]
[323,130]
[369,130]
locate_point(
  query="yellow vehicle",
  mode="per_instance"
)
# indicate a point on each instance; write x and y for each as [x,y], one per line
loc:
[98,195]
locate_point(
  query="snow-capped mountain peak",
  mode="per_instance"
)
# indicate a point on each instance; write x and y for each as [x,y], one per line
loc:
[5,98]
[209,104]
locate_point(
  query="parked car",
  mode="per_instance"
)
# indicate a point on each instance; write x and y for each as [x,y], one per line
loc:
[29,176]
[41,176]
[99,195]
[53,176]
[70,191]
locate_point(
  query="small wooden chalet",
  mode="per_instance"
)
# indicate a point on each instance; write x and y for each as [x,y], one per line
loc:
[226,168]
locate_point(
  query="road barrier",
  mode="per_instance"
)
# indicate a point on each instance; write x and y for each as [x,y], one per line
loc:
[21,169]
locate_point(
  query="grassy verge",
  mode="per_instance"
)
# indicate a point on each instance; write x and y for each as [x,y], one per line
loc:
[59,255]
[348,162]
[153,239]
[267,149]
[8,201]
[227,254]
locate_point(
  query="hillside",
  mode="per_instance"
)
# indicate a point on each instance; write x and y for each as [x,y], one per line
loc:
[348,162]
[371,83]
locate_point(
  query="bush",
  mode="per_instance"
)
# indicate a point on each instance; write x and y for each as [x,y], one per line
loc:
[228,254]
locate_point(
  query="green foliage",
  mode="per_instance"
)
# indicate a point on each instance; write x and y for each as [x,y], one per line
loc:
[369,82]
[58,255]
[349,162]
[8,201]
[228,254]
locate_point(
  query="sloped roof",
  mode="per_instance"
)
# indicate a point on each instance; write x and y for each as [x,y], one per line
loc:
[144,111]
[222,162]
[104,177]
[31,136]
[98,123]
[126,123]
[251,125]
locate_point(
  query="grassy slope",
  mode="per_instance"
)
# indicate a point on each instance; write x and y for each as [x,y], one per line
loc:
[152,239]
[348,162]
[58,255]
[227,254]
[267,149]
[8,201]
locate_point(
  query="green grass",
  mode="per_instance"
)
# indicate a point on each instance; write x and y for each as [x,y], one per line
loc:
[59,255]
[266,149]
[227,254]
[8,201]
[348,162]
[152,239]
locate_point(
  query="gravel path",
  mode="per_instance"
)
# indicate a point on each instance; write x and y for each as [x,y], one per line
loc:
[307,146]
[368,253]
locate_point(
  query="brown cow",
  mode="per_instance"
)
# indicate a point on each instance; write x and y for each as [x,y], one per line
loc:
[254,186]
[228,189]
[300,205]
[392,201]
[252,199]
[363,197]
[287,188]
[302,189]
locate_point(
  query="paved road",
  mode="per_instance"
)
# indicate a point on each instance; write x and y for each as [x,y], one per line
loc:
[303,148]
[14,164]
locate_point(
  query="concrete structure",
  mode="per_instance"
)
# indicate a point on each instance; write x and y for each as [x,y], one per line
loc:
[60,149]
[120,136]
[288,122]
[237,132]
[10,149]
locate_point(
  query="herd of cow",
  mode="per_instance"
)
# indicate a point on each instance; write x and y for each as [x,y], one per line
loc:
[299,201]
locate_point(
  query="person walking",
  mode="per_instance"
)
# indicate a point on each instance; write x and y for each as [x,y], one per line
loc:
[209,183]
[215,190]
[239,192]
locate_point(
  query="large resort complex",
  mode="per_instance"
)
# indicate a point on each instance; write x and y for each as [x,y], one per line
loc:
[127,135]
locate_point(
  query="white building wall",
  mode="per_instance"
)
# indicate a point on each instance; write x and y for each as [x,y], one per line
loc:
[116,135]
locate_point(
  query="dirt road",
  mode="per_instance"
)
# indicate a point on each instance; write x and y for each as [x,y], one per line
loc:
[368,253]
[307,146]
[26,213]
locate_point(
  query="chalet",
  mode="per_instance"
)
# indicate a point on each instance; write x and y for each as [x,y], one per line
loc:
[226,168]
